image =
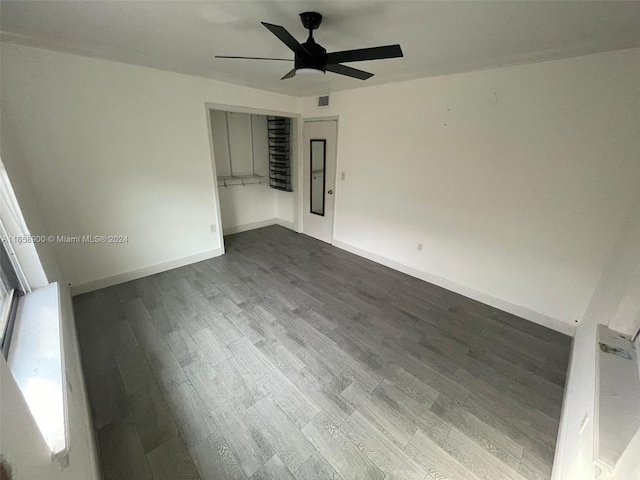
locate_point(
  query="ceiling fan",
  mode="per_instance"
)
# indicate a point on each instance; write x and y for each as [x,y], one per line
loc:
[311,57]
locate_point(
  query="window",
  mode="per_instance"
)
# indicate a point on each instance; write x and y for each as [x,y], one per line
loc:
[12,280]
[10,290]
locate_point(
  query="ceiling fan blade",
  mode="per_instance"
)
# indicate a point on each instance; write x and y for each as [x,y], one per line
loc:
[362,54]
[291,74]
[286,38]
[256,58]
[349,72]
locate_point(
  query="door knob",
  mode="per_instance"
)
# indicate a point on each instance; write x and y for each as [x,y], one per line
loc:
[330,192]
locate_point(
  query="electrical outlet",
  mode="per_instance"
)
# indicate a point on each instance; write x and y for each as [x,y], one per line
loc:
[419,246]
[213,228]
[342,176]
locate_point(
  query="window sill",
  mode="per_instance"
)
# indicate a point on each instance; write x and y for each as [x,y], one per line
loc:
[617,419]
[35,360]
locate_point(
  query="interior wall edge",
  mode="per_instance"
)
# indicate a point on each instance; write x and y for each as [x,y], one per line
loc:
[142,272]
[540,318]
[249,226]
[285,224]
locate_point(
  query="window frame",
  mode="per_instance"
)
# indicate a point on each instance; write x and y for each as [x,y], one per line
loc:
[15,289]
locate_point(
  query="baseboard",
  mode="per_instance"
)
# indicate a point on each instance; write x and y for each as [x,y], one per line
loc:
[142,272]
[245,227]
[518,310]
[248,226]
[284,223]
[180,262]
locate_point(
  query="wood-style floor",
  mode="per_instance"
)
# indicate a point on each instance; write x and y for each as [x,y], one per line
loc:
[287,358]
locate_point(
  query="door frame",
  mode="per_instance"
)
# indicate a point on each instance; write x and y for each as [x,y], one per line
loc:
[295,161]
[301,160]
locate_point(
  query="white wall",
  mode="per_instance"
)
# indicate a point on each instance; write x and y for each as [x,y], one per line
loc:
[240,144]
[21,446]
[285,210]
[242,206]
[21,443]
[115,149]
[574,451]
[516,180]
[220,139]
[625,276]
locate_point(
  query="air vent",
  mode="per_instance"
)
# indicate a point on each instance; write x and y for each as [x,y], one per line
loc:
[323,101]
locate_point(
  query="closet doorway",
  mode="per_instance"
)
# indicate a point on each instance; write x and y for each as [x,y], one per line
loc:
[254,160]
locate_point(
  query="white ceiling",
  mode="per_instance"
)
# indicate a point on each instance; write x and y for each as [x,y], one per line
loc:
[437,37]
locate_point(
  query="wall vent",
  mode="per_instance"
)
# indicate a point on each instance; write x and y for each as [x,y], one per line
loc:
[323,101]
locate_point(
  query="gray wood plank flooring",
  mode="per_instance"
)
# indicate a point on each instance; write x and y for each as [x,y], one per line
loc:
[288,358]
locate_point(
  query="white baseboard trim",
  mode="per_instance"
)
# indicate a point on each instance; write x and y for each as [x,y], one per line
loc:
[518,310]
[142,272]
[248,226]
[284,223]
[245,227]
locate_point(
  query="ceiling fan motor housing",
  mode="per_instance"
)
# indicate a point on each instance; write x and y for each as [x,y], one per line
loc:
[317,59]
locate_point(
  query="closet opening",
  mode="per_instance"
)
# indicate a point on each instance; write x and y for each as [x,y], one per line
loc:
[254,160]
